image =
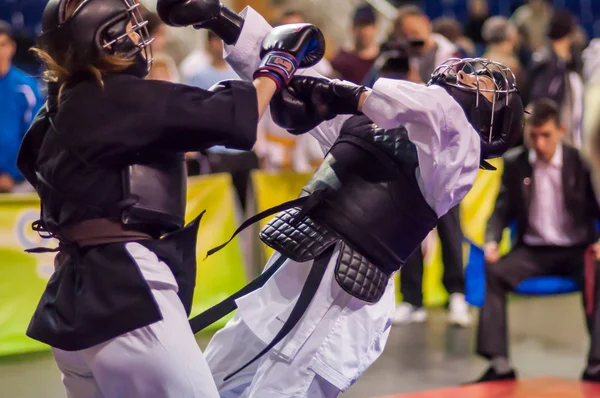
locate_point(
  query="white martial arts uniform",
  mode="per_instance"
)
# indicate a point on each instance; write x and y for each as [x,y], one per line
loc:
[339,336]
[159,360]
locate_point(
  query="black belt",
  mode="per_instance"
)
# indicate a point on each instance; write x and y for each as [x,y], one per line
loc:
[225,307]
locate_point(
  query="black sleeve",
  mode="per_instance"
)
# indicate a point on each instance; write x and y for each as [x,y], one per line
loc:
[503,212]
[196,119]
[132,117]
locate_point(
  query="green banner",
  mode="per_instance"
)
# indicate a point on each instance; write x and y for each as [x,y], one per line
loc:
[24,276]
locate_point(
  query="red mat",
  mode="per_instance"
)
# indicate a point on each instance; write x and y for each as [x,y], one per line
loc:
[526,388]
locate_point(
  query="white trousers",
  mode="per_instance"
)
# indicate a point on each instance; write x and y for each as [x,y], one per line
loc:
[268,377]
[161,360]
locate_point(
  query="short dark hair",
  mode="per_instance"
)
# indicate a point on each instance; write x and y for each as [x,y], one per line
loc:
[561,24]
[542,110]
[6,29]
[448,27]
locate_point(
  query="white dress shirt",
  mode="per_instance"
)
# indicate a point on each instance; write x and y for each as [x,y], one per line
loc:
[549,221]
[351,333]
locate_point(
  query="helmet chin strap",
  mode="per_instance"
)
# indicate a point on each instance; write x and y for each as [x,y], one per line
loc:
[139,67]
[126,47]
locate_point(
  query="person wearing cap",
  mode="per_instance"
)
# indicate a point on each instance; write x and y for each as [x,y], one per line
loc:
[354,64]
[21,99]
[551,75]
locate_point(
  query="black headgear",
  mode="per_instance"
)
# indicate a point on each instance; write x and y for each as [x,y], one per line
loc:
[96,28]
[499,122]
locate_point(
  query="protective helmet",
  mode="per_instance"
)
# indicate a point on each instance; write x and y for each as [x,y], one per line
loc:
[500,121]
[96,28]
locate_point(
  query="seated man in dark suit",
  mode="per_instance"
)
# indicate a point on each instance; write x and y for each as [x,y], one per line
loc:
[547,190]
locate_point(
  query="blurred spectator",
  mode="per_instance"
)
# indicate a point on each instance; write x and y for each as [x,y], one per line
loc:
[157,29]
[217,69]
[354,64]
[164,67]
[591,116]
[393,62]
[546,189]
[580,42]
[531,20]
[292,16]
[450,28]
[221,159]
[428,49]
[478,14]
[411,277]
[274,146]
[549,75]
[21,100]
[25,59]
[307,155]
[501,38]
[196,59]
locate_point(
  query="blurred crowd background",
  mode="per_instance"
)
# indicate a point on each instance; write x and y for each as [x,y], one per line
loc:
[550,46]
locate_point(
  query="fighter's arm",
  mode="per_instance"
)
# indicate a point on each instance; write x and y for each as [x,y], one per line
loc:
[244,58]
[447,145]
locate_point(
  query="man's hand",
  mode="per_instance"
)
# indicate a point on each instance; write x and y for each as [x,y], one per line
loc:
[491,252]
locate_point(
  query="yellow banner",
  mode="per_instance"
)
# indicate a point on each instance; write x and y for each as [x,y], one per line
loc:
[24,276]
[478,205]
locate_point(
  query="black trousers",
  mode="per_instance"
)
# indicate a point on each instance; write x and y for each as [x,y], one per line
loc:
[522,263]
[451,238]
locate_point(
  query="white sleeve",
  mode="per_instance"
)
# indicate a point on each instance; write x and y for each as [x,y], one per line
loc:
[448,148]
[244,58]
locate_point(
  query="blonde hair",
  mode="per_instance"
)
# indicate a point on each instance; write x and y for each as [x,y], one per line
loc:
[61,70]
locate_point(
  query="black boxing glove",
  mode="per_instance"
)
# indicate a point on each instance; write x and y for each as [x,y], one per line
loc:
[308,101]
[287,47]
[202,14]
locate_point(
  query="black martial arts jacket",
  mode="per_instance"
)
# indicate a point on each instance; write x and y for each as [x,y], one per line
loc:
[79,149]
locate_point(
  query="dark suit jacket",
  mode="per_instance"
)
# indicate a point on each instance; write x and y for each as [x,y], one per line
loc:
[516,194]
[546,77]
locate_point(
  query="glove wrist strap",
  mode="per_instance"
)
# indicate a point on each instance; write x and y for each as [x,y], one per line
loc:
[279,66]
[227,25]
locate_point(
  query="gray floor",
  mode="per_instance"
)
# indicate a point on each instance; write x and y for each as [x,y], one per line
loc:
[547,335]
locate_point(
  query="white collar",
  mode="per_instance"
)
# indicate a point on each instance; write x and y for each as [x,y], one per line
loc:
[557,158]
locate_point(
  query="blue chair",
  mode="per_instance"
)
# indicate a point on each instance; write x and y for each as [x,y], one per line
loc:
[537,286]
